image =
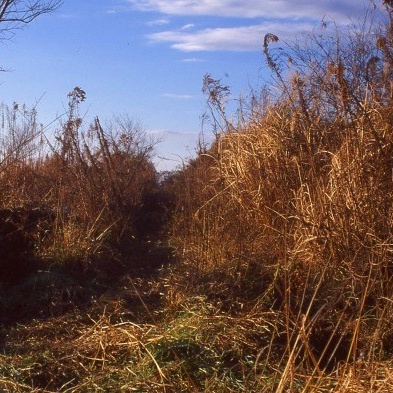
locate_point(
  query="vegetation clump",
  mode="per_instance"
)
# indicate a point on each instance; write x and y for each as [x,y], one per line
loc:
[263,265]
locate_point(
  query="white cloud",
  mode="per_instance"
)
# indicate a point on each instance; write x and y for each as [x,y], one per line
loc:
[178,96]
[339,10]
[66,16]
[193,60]
[284,18]
[158,22]
[117,9]
[187,26]
[247,38]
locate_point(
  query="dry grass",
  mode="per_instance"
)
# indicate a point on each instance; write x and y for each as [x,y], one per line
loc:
[282,233]
[96,182]
[293,212]
[198,349]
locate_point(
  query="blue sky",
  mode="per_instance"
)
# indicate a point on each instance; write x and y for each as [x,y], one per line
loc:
[147,58]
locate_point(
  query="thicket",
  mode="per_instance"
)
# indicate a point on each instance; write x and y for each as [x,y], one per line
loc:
[288,215]
[282,231]
[75,197]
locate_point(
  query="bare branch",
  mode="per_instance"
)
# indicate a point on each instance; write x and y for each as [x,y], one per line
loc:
[15,14]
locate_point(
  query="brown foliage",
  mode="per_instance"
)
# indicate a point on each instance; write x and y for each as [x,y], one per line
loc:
[93,181]
[301,197]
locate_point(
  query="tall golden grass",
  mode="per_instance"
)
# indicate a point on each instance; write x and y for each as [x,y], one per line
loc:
[282,231]
[291,211]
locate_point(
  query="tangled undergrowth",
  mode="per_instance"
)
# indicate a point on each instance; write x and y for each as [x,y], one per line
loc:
[200,348]
[264,265]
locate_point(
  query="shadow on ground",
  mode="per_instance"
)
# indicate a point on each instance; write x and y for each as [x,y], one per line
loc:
[34,289]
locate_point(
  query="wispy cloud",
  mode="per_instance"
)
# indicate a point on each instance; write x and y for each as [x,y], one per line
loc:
[193,60]
[162,132]
[158,22]
[187,26]
[256,8]
[117,9]
[66,16]
[285,18]
[235,39]
[178,96]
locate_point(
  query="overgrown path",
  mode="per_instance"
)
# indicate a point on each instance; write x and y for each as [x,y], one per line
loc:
[55,321]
